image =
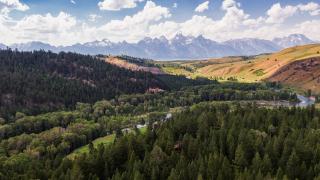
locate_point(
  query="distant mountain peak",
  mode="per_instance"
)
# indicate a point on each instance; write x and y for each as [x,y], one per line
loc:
[103,42]
[181,39]
[292,40]
[2,46]
[163,38]
[298,36]
[178,47]
[252,46]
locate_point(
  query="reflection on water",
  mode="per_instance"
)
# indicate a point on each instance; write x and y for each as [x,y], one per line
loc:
[304,101]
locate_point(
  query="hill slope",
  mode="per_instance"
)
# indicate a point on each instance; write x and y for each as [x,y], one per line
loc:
[39,81]
[120,62]
[244,69]
[304,74]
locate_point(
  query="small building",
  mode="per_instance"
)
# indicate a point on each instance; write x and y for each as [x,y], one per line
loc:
[312,98]
[154,90]
[168,116]
[139,126]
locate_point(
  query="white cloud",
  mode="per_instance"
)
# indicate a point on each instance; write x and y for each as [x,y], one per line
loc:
[47,28]
[202,7]
[175,5]
[154,21]
[133,28]
[7,5]
[278,14]
[116,5]
[237,24]
[72,2]
[168,29]
[312,7]
[309,28]
[228,3]
[93,17]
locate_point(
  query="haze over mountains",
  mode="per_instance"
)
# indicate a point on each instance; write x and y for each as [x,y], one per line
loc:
[179,47]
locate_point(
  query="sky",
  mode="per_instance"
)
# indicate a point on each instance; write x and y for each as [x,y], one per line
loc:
[66,22]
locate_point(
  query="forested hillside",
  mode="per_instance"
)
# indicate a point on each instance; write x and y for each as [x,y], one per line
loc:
[71,116]
[212,142]
[206,141]
[39,81]
[38,147]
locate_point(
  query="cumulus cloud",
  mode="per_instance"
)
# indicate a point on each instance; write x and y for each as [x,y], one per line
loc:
[47,28]
[154,21]
[8,5]
[202,7]
[237,24]
[312,7]
[93,17]
[72,2]
[278,14]
[116,5]
[309,28]
[133,28]
[231,22]
[226,4]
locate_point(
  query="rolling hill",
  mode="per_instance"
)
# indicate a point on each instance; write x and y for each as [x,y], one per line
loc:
[248,69]
[304,74]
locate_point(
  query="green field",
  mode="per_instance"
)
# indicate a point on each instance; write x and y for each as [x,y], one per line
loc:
[102,140]
[85,149]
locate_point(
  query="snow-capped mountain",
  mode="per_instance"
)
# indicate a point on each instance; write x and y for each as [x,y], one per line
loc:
[179,47]
[2,46]
[293,40]
[250,46]
[34,45]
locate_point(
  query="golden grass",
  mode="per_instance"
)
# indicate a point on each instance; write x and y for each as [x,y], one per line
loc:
[250,70]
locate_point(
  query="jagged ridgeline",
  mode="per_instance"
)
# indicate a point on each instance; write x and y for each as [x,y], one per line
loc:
[39,81]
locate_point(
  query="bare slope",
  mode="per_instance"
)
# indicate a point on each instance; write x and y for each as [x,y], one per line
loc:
[131,66]
[304,74]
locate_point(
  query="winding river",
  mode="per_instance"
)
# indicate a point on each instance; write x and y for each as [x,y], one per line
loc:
[304,101]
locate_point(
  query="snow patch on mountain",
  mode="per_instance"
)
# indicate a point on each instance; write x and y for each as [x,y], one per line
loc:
[292,40]
[179,47]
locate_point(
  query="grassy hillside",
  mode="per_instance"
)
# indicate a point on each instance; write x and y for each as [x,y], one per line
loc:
[243,69]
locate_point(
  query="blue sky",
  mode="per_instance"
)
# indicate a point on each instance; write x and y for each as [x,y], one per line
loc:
[185,9]
[65,22]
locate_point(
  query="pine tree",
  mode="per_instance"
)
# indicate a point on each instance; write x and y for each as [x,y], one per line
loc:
[293,165]
[199,177]
[240,157]
[266,165]
[256,162]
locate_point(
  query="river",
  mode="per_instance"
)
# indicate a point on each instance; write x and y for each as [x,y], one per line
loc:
[304,101]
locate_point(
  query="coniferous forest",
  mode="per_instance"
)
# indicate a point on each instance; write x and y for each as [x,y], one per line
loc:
[39,81]
[71,116]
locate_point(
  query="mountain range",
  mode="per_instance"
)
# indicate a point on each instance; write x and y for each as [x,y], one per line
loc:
[179,47]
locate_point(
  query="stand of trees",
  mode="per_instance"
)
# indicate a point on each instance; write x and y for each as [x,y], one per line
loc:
[35,146]
[120,112]
[39,81]
[206,141]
